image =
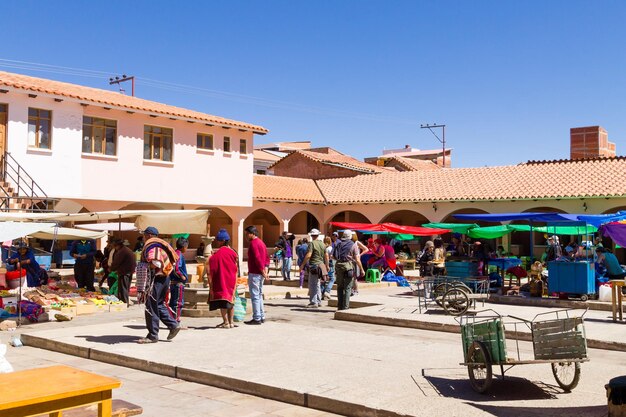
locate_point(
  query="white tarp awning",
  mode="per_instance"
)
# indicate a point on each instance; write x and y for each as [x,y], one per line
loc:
[67,233]
[109,227]
[16,230]
[167,221]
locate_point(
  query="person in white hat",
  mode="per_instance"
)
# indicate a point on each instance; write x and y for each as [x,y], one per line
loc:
[317,258]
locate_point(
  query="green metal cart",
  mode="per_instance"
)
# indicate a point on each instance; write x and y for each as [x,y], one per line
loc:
[558,339]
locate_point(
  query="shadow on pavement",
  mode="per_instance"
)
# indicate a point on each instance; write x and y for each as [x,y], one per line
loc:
[111,339]
[314,310]
[507,411]
[509,389]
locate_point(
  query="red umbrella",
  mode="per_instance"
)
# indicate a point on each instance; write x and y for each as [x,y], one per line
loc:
[391,228]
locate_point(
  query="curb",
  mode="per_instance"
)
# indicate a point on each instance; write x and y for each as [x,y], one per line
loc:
[541,302]
[454,328]
[288,396]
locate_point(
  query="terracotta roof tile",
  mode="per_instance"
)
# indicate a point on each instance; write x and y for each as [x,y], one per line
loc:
[415,164]
[336,159]
[112,98]
[274,188]
[550,179]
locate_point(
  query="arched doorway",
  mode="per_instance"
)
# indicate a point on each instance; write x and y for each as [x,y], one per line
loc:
[267,225]
[302,222]
[522,239]
[451,219]
[405,218]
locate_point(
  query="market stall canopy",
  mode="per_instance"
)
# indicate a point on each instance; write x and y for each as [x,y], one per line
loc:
[167,221]
[599,219]
[505,217]
[16,230]
[455,227]
[391,227]
[489,232]
[66,233]
[616,231]
[109,227]
[396,236]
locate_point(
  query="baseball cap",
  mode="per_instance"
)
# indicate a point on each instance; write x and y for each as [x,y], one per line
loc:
[314,232]
[151,230]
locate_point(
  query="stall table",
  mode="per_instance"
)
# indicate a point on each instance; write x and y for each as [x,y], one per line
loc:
[503,264]
[616,297]
[53,389]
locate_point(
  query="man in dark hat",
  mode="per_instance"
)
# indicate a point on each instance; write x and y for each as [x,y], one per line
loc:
[123,265]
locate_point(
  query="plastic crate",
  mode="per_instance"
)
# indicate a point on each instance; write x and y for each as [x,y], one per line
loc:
[491,333]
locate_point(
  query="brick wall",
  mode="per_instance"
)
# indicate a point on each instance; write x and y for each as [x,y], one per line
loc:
[299,166]
[590,142]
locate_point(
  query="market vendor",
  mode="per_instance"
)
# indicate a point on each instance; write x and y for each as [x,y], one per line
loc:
[25,259]
[609,260]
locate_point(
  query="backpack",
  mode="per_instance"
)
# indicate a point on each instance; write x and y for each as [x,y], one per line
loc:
[341,252]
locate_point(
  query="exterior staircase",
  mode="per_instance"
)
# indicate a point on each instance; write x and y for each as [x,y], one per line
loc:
[19,191]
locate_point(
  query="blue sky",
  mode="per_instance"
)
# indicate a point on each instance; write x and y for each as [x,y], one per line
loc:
[508,78]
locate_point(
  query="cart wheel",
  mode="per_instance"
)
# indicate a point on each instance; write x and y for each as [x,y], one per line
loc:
[480,369]
[584,297]
[461,285]
[438,292]
[567,374]
[455,301]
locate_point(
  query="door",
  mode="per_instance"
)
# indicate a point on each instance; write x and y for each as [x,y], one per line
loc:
[3,127]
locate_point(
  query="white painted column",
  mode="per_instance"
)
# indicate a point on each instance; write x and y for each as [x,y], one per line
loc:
[238,237]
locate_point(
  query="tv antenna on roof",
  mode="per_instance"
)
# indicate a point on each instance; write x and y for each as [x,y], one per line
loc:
[118,80]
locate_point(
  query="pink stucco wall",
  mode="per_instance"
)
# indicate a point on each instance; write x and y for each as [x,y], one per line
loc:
[194,176]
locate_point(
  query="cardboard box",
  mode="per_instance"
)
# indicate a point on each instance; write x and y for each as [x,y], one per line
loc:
[68,311]
[85,308]
[117,307]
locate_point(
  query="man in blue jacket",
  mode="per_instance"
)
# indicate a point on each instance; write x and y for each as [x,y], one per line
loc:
[83,251]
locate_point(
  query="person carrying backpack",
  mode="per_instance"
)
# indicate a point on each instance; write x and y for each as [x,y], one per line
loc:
[345,254]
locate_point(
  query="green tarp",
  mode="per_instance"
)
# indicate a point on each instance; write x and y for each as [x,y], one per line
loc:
[489,232]
[455,227]
[492,232]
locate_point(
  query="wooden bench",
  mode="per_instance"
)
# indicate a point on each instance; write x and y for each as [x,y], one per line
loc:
[407,263]
[51,390]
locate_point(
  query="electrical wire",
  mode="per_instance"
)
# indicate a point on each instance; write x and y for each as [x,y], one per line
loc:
[200,91]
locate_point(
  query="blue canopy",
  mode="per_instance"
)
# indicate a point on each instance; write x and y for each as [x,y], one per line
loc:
[504,217]
[599,219]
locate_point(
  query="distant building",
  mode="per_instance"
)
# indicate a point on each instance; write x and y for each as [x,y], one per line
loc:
[433,155]
[267,154]
[322,163]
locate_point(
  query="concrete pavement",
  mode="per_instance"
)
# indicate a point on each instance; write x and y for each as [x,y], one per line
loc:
[304,357]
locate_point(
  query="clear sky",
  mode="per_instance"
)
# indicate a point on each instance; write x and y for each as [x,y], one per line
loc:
[508,78]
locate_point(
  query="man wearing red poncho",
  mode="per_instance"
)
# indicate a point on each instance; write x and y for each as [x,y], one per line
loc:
[223,267]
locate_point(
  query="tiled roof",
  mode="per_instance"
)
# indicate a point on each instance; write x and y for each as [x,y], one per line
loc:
[533,180]
[262,155]
[112,98]
[273,188]
[339,159]
[411,164]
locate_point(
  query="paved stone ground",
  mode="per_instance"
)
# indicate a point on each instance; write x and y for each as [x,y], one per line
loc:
[163,396]
[401,370]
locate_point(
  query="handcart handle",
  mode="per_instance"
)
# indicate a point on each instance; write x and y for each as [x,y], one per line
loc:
[520,319]
[561,311]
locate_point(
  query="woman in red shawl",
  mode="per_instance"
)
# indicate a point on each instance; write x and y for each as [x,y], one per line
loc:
[223,266]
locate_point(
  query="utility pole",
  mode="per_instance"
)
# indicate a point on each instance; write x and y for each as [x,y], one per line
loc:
[443,141]
[118,80]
